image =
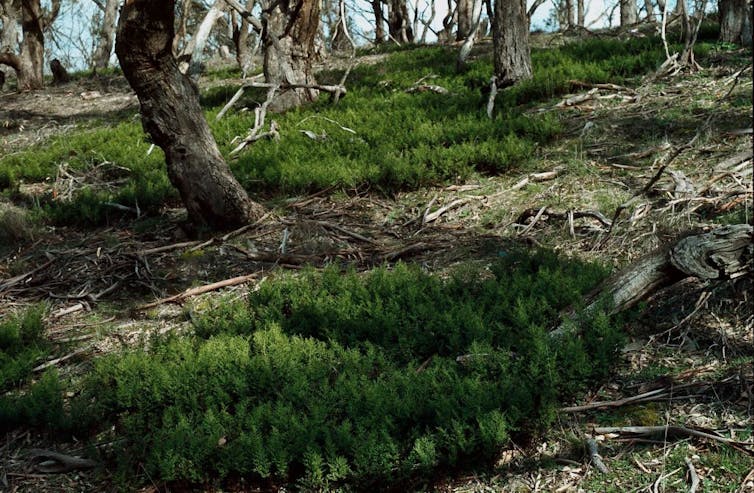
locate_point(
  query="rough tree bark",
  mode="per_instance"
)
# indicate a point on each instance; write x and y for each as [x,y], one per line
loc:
[29,63]
[172,116]
[721,254]
[736,21]
[465,10]
[289,38]
[580,13]
[397,21]
[629,12]
[106,35]
[510,36]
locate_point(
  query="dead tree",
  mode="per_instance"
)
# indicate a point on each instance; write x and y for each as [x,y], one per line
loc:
[105,34]
[721,254]
[28,60]
[59,73]
[172,116]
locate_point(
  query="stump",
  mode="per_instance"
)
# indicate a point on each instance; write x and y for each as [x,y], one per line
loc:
[59,73]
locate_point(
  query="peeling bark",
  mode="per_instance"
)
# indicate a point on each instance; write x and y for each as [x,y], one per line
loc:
[173,118]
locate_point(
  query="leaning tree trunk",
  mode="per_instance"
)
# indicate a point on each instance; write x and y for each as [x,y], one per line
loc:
[289,34]
[629,12]
[106,35]
[193,52]
[172,116]
[721,254]
[510,36]
[468,43]
[736,22]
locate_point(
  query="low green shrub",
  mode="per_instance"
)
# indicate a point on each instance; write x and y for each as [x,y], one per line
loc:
[331,378]
[21,345]
[377,135]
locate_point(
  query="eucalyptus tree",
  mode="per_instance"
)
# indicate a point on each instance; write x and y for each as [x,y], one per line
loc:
[26,55]
[172,116]
[510,37]
[104,32]
[735,21]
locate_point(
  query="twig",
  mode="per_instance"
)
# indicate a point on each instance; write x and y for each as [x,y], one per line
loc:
[694,476]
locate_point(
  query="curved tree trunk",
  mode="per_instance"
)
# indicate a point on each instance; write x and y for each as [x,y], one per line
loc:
[289,34]
[510,36]
[736,22]
[172,116]
[242,38]
[106,35]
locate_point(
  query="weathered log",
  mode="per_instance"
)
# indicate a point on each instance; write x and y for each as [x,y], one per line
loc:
[721,254]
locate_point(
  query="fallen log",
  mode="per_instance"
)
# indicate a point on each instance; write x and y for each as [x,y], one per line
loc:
[721,254]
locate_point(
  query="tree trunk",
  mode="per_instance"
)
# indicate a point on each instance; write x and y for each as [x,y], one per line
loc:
[106,35]
[581,13]
[510,36]
[628,12]
[724,253]
[650,11]
[172,116]
[468,43]
[465,19]
[379,29]
[736,22]
[193,52]
[241,39]
[289,35]
[30,75]
[397,21]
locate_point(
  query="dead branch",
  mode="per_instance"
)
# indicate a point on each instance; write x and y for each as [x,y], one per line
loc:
[721,254]
[332,89]
[672,431]
[595,457]
[199,290]
[427,88]
[428,218]
[55,361]
[58,463]
[694,476]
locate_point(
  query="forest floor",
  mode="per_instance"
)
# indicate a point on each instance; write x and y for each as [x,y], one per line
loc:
[690,350]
